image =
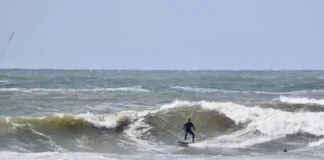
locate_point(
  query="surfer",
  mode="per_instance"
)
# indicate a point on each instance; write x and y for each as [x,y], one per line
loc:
[187,128]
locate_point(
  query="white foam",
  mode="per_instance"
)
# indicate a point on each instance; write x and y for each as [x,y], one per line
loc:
[51,156]
[137,130]
[301,100]
[316,143]
[240,139]
[5,81]
[212,90]
[118,89]
[110,120]
[107,121]
[202,90]
[114,156]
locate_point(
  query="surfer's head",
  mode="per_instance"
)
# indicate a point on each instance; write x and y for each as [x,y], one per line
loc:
[188,119]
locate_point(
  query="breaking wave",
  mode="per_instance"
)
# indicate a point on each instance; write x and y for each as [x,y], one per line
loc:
[222,125]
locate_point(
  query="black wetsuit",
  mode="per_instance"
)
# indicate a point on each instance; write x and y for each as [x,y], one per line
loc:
[187,127]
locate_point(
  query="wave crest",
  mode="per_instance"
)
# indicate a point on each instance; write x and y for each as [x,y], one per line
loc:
[118,89]
[301,100]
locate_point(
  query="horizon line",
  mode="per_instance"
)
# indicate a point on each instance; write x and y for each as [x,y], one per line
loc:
[138,69]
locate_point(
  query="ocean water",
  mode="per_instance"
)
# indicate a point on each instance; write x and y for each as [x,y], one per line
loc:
[111,114]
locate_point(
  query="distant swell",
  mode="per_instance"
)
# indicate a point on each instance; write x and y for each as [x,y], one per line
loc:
[120,89]
[215,90]
[202,90]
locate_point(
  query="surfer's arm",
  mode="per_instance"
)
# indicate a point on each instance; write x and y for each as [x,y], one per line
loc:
[193,126]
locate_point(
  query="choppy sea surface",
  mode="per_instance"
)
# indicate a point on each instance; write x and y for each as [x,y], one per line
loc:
[112,114]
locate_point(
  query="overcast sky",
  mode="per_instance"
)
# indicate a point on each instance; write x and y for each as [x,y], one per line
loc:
[162,34]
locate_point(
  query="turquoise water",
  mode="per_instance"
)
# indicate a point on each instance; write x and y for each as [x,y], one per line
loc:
[127,114]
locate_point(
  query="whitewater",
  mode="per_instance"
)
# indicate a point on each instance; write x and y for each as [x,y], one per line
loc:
[113,114]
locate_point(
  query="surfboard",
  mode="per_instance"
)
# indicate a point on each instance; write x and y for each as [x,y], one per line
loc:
[184,143]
